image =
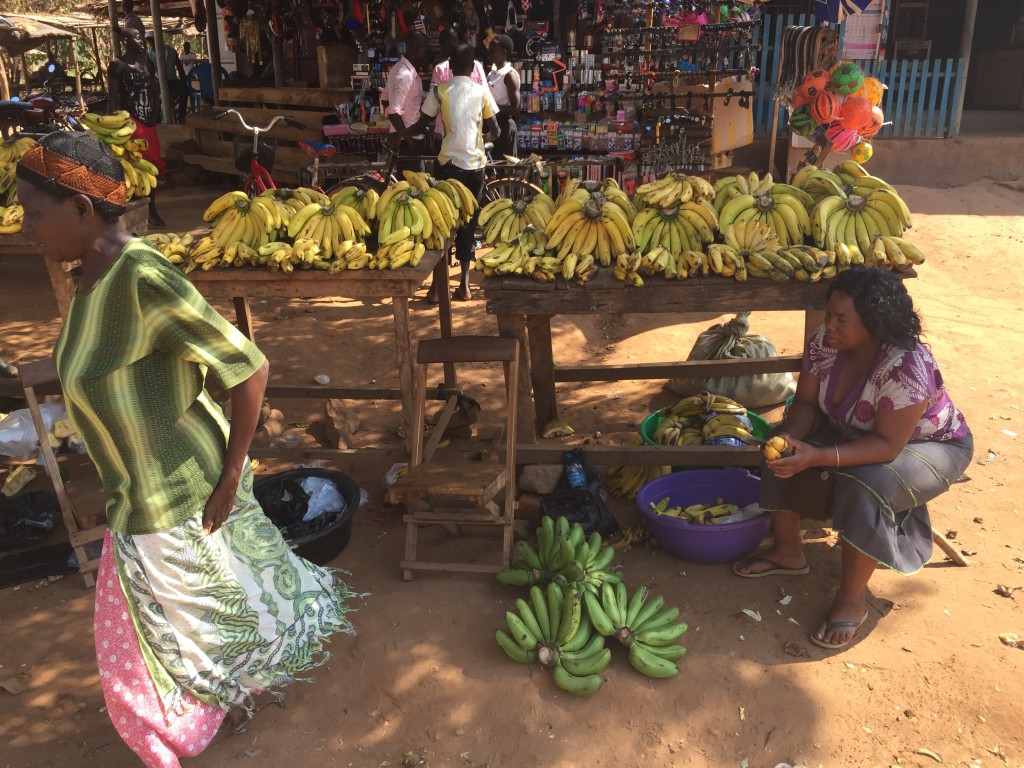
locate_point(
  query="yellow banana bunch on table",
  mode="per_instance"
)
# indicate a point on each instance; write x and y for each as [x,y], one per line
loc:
[503,219]
[173,247]
[364,201]
[781,208]
[11,217]
[590,225]
[116,131]
[673,189]
[10,154]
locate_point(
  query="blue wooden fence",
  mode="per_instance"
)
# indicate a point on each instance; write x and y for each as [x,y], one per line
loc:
[921,100]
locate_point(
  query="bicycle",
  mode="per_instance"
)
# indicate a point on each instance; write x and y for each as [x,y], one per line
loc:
[258,159]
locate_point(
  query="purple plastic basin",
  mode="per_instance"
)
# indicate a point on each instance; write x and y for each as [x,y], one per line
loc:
[705,543]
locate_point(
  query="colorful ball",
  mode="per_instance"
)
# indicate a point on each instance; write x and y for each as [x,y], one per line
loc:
[856,114]
[874,125]
[814,83]
[846,79]
[872,90]
[801,122]
[862,152]
[843,139]
[826,107]
[800,99]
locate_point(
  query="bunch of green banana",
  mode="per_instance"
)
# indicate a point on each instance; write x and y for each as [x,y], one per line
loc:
[679,430]
[781,208]
[596,227]
[642,624]
[550,628]
[673,189]
[626,482]
[11,217]
[10,154]
[503,219]
[398,254]
[857,219]
[172,247]
[685,227]
[702,514]
[563,554]
[363,200]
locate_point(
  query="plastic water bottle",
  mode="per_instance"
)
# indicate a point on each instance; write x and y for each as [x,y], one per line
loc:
[575,475]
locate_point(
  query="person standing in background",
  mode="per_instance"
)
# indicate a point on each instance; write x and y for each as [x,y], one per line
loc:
[131,20]
[176,85]
[447,42]
[467,111]
[503,80]
[188,60]
[404,96]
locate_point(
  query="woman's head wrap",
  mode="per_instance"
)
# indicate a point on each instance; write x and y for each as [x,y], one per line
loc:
[64,163]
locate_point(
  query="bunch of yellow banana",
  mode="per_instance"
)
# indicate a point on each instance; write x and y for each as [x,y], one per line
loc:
[404,216]
[857,219]
[116,131]
[642,624]
[363,200]
[701,514]
[400,253]
[679,430]
[172,247]
[523,255]
[626,482]
[733,426]
[703,404]
[672,190]
[10,154]
[595,226]
[782,208]
[891,252]
[330,225]
[504,219]
[113,130]
[803,263]
[776,448]
[237,219]
[140,175]
[685,227]
[627,269]
[11,217]
[455,191]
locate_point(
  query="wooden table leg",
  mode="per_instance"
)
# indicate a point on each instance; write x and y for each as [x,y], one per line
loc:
[812,319]
[542,368]
[63,285]
[243,317]
[444,307]
[403,348]
[514,326]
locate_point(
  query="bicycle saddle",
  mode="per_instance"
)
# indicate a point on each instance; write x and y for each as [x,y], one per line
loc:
[314,149]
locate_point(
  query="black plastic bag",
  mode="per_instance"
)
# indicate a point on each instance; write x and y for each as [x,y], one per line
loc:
[27,519]
[585,506]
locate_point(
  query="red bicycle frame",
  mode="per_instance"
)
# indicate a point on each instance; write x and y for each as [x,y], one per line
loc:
[259,179]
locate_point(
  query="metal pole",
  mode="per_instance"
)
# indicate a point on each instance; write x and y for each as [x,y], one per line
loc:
[161,62]
[966,41]
[112,13]
[213,43]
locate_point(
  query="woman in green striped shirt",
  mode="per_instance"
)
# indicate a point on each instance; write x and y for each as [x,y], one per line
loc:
[199,602]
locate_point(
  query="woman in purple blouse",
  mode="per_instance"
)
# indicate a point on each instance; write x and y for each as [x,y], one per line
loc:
[875,437]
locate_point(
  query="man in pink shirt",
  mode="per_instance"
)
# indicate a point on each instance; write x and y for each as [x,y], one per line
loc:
[447,42]
[404,96]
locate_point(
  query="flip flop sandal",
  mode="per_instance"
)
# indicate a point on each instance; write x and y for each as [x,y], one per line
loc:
[830,625]
[775,570]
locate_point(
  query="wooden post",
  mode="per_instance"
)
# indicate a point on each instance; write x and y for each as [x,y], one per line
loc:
[277,49]
[213,42]
[78,72]
[5,87]
[101,67]
[24,72]
[966,42]
[112,14]
[161,63]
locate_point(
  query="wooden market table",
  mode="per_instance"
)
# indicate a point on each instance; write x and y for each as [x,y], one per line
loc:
[135,220]
[399,285]
[524,309]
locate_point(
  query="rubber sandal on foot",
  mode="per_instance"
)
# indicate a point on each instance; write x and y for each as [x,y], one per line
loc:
[830,625]
[775,570]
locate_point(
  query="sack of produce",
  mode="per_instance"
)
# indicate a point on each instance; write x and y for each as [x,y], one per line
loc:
[731,340]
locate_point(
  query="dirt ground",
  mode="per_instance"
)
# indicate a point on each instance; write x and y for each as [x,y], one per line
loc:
[423,679]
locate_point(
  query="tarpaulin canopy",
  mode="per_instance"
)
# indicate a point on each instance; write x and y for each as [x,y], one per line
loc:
[19,34]
[834,11]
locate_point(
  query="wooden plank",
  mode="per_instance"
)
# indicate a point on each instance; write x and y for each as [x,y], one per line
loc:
[912,93]
[644,455]
[542,368]
[891,94]
[304,454]
[38,374]
[956,101]
[944,98]
[922,99]
[901,94]
[302,392]
[282,131]
[325,98]
[689,368]
[932,127]
[514,326]
[403,350]
[444,311]
[420,565]
[243,317]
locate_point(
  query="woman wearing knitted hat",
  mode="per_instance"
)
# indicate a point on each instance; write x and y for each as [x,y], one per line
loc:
[200,605]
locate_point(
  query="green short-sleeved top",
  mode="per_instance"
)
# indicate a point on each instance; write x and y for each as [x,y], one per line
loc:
[132,359]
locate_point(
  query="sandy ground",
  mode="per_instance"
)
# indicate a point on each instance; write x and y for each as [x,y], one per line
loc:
[424,680]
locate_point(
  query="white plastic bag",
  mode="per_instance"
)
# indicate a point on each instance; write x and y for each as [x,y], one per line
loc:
[324,497]
[18,438]
[731,340]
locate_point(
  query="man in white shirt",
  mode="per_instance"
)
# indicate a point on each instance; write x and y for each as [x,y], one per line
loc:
[466,109]
[189,60]
[447,41]
[404,95]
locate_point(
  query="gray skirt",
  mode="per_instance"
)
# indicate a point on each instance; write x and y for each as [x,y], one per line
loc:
[879,509]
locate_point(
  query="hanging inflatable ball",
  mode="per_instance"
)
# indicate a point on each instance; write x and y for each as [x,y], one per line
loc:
[872,90]
[801,122]
[843,139]
[862,152]
[846,79]
[826,107]
[856,114]
[814,83]
[874,125]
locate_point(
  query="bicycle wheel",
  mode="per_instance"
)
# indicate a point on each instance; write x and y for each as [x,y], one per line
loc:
[508,189]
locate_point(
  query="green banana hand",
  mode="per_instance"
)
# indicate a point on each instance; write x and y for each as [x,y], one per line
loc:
[513,649]
[584,687]
[646,663]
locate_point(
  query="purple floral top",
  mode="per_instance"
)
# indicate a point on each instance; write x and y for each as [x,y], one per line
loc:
[900,378]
